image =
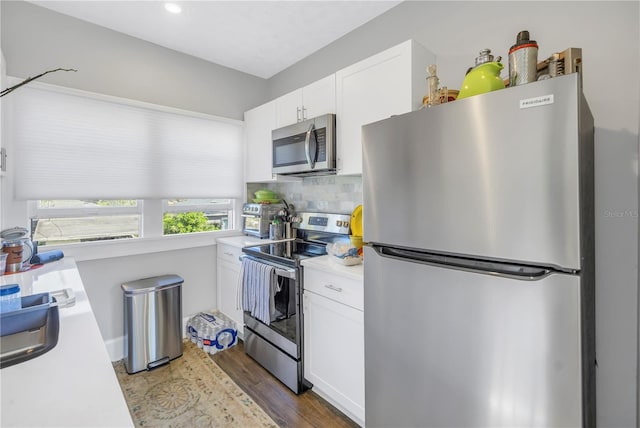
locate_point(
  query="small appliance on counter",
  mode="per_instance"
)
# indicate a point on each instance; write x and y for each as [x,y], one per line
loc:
[256,218]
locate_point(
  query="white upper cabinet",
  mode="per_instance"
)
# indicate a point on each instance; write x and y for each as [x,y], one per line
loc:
[259,122]
[288,108]
[313,100]
[389,83]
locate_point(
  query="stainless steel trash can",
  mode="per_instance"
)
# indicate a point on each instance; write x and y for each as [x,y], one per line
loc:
[152,322]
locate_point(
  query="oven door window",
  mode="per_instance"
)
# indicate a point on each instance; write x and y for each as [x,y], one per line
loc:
[284,318]
[281,305]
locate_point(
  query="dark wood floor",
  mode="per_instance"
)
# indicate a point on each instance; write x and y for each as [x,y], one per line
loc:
[285,408]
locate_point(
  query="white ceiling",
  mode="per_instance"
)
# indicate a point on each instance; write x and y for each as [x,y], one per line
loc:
[261,38]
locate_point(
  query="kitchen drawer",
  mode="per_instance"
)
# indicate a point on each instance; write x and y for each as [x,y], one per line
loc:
[344,290]
[229,253]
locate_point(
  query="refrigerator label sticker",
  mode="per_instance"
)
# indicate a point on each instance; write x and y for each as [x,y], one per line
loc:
[537,101]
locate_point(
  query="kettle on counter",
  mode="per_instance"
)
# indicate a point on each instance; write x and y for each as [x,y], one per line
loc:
[483,77]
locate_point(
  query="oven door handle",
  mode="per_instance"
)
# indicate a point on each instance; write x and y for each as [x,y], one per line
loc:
[280,271]
[287,273]
[307,147]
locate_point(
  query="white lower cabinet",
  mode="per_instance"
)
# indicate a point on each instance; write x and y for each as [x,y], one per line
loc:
[228,277]
[334,340]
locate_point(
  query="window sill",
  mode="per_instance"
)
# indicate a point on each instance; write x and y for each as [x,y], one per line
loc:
[130,247]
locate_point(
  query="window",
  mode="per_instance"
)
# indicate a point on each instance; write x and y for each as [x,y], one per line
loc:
[196,215]
[55,222]
[71,221]
[102,168]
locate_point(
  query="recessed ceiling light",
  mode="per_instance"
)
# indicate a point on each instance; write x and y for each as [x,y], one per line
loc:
[172,7]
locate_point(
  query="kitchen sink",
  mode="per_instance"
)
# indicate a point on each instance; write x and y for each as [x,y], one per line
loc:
[31,331]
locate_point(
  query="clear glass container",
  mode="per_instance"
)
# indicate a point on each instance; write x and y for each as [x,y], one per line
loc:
[10,298]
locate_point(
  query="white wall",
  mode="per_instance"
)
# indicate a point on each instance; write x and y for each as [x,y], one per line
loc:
[102,280]
[608,33]
[35,39]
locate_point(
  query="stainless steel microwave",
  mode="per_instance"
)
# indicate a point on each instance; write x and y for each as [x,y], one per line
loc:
[305,148]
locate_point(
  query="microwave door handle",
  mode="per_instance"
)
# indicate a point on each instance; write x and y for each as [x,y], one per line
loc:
[310,162]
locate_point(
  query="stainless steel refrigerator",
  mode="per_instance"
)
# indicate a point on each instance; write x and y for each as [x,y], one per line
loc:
[479,266]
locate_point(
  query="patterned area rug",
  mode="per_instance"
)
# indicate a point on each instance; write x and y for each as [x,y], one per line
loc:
[191,391]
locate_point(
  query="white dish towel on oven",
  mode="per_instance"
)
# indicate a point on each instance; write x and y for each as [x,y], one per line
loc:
[259,285]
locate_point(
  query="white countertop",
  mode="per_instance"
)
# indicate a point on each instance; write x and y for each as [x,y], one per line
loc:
[73,384]
[325,263]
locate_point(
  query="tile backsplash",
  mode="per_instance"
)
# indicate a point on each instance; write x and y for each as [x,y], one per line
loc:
[334,194]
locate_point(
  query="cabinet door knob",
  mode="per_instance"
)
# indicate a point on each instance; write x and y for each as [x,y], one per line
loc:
[298,111]
[228,254]
[333,287]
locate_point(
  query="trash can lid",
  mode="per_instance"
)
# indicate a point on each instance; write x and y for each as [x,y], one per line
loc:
[149,285]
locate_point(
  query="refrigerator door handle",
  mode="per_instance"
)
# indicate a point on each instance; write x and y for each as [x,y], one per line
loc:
[504,269]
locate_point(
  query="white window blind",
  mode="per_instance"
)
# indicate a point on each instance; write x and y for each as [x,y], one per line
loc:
[72,145]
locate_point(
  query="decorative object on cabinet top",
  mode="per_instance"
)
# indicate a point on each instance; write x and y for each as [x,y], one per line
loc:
[266,196]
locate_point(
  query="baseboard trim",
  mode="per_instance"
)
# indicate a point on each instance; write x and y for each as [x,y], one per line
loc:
[338,406]
[115,348]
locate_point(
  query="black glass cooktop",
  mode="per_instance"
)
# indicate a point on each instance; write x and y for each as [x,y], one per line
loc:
[289,252]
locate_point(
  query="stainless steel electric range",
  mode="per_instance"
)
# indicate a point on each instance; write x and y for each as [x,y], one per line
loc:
[275,340]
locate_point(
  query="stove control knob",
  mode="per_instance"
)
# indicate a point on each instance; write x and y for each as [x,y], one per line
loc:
[339,223]
[345,224]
